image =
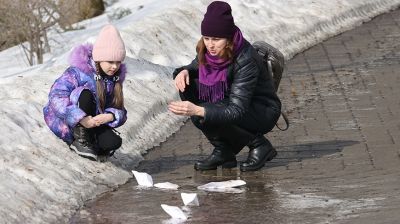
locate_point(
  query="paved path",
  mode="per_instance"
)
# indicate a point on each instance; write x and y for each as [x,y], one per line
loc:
[338,163]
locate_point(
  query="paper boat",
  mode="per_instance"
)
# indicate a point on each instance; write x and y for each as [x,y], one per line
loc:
[190,199]
[167,185]
[223,186]
[174,212]
[231,190]
[143,179]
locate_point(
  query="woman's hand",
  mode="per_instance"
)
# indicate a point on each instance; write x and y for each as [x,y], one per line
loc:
[185,108]
[182,80]
[103,118]
[88,122]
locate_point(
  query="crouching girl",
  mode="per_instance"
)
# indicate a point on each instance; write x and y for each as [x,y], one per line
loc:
[86,102]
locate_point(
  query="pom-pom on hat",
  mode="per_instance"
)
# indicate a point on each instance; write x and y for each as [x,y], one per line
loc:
[109,45]
[218,21]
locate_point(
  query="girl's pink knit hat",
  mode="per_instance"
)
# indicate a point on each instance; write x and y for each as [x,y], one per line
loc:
[109,45]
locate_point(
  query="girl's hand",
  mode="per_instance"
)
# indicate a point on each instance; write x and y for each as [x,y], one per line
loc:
[88,122]
[186,108]
[103,118]
[181,80]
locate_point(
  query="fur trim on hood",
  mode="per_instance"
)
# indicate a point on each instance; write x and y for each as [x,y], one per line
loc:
[81,58]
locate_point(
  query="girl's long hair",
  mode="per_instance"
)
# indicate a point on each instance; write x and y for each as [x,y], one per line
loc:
[118,96]
[227,52]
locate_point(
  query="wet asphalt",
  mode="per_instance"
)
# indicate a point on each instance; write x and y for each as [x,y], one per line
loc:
[338,163]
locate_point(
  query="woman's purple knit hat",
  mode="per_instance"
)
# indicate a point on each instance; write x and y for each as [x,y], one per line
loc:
[218,21]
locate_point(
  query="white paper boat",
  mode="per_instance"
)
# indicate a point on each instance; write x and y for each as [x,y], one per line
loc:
[225,190]
[190,199]
[143,179]
[167,185]
[222,185]
[174,212]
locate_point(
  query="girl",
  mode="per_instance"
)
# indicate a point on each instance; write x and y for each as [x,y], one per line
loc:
[86,102]
[228,94]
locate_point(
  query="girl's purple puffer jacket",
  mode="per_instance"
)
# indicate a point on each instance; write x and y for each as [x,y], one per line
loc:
[62,113]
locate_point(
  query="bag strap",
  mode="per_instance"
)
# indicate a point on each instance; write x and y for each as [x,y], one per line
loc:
[277,80]
[284,116]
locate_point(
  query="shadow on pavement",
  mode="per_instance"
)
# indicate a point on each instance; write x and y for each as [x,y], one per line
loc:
[286,154]
[297,153]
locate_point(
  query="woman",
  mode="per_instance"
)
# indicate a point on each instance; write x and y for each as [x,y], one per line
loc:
[86,102]
[228,94]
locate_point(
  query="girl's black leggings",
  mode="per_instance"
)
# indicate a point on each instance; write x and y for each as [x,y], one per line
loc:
[107,140]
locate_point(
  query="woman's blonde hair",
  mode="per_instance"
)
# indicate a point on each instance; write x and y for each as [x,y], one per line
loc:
[118,96]
[227,52]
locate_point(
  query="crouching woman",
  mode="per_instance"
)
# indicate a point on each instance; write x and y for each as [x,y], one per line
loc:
[86,102]
[228,94]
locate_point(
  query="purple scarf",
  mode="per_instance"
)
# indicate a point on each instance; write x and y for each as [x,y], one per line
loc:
[213,74]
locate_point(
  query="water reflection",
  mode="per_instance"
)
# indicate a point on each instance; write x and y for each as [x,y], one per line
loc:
[142,205]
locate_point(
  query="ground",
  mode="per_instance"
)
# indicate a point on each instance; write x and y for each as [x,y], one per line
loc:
[339,161]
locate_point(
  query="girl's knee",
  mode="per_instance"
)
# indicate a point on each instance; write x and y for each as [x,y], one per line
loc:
[108,140]
[110,144]
[87,102]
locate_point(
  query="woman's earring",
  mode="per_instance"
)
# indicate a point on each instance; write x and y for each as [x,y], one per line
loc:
[97,77]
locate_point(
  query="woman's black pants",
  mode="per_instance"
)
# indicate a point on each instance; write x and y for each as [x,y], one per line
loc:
[106,139]
[236,135]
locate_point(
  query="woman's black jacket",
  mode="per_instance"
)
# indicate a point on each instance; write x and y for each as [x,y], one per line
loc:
[249,88]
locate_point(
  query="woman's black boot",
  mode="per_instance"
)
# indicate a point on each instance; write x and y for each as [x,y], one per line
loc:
[221,156]
[260,152]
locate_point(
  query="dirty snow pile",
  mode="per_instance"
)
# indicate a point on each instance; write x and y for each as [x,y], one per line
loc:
[42,181]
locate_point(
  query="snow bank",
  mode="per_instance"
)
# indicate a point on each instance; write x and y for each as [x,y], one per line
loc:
[43,182]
